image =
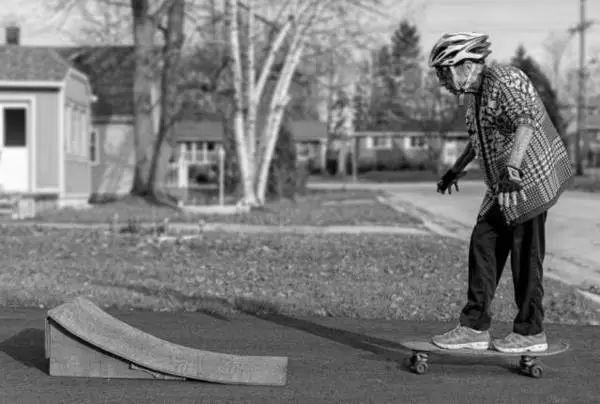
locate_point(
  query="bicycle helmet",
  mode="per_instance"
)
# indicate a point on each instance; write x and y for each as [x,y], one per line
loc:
[454,48]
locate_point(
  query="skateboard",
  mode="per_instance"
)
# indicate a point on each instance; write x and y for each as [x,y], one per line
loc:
[528,365]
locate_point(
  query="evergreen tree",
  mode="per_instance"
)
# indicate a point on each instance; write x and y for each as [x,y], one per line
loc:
[405,48]
[542,85]
[360,104]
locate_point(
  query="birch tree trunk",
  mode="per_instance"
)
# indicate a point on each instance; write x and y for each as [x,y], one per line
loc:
[276,110]
[280,96]
[252,105]
[231,22]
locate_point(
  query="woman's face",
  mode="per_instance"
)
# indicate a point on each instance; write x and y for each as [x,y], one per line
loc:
[457,78]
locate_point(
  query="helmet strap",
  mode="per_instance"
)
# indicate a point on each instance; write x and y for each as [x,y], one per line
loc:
[468,84]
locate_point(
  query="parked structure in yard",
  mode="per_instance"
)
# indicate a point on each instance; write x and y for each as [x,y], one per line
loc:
[45,105]
[66,126]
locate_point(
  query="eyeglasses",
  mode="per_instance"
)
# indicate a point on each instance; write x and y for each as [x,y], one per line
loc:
[444,74]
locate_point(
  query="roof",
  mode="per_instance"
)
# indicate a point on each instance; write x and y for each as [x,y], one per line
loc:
[28,63]
[454,124]
[308,131]
[212,131]
[110,70]
[192,131]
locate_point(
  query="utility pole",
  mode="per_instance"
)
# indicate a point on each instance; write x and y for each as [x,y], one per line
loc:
[581,28]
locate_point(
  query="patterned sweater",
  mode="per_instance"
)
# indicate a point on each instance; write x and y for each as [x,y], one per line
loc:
[506,101]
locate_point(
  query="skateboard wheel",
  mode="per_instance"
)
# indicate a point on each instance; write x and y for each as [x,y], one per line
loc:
[408,362]
[536,371]
[420,368]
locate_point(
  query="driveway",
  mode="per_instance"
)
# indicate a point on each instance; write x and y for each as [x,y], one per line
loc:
[331,360]
[572,230]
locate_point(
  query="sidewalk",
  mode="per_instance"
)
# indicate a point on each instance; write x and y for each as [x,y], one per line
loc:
[330,360]
[239,228]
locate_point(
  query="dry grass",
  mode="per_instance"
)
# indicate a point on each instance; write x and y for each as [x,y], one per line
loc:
[370,276]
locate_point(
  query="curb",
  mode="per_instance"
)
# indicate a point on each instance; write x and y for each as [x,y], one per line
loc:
[237,228]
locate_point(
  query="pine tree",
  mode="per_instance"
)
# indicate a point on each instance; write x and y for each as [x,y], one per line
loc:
[542,85]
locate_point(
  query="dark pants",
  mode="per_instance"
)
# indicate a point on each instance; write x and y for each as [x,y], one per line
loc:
[491,242]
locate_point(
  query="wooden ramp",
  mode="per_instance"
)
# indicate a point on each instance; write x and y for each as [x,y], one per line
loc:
[83,340]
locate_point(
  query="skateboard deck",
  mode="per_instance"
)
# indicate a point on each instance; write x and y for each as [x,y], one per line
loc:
[528,365]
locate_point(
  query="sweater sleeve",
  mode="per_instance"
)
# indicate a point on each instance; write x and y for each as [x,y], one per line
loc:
[520,101]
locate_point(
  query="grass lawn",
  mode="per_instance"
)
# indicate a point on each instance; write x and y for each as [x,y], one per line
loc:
[318,208]
[371,276]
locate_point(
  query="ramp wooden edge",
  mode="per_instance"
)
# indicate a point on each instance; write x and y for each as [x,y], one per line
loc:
[80,323]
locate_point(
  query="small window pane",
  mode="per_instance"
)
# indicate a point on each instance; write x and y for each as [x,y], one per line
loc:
[14,127]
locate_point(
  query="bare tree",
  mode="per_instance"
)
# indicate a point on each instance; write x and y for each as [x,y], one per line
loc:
[170,101]
[299,25]
[555,46]
[93,22]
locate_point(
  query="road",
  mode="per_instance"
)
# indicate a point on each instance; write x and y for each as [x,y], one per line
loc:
[572,228]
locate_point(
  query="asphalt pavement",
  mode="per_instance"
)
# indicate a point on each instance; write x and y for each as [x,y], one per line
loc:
[330,360]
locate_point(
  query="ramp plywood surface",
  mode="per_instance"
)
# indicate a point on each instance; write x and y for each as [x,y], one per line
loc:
[87,322]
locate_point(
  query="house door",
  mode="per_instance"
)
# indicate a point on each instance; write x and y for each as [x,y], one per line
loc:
[14,154]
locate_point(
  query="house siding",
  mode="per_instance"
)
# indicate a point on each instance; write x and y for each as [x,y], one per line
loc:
[78,171]
[47,153]
[77,178]
[113,175]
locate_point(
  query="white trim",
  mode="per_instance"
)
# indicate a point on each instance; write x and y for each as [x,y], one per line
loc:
[49,190]
[61,143]
[15,83]
[33,150]
[30,132]
[76,196]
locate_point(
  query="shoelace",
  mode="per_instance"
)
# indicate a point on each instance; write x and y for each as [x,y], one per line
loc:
[453,332]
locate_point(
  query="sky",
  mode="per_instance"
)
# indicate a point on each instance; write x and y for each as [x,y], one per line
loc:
[508,22]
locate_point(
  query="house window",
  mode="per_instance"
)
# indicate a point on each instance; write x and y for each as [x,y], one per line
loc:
[380,142]
[210,146]
[83,145]
[14,127]
[417,141]
[68,129]
[75,131]
[94,148]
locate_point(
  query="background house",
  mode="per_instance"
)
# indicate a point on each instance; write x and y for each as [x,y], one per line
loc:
[590,140]
[44,125]
[400,145]
[199,140]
